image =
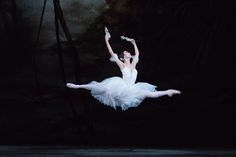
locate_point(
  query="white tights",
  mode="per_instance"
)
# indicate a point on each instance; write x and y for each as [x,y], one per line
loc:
[84,86]
[157,94]
[147,94]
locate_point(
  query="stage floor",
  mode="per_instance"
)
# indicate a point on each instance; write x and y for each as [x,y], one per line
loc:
[73,151]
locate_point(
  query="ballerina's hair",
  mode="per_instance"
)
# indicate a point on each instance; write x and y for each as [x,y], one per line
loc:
[121,56]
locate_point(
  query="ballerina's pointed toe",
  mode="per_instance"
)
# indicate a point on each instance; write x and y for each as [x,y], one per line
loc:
[172,92]
[71,85]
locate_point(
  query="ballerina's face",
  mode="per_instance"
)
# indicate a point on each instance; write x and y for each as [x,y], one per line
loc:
[127,55]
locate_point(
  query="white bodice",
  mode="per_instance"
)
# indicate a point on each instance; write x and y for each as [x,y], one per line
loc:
[129,75]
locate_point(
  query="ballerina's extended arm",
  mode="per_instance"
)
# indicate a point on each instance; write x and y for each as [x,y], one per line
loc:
[114,55]
[136,51]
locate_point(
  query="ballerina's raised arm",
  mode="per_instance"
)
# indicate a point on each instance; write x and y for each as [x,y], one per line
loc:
[113,55]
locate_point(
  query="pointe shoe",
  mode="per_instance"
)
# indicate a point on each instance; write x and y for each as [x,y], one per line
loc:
[71,85]
[171,92]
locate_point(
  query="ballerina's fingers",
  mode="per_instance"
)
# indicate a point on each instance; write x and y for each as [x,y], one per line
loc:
[127,39]
[123,37]
[106,30]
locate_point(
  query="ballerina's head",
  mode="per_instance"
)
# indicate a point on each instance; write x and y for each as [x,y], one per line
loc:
[125,55]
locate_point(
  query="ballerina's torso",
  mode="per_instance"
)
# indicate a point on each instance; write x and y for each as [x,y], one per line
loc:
[129,74]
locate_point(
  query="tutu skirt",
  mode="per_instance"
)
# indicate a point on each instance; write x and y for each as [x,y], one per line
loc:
[115,91]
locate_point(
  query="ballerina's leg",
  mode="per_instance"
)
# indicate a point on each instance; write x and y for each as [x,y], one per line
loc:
[158,94]
[84,86]
[72,85]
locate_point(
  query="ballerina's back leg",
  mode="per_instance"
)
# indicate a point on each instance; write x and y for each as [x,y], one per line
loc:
[158,94]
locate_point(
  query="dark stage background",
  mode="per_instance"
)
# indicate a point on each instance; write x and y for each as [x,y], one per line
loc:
[184,44]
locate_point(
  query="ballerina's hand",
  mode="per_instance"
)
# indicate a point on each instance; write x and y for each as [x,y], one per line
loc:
[107,35]
[127,39]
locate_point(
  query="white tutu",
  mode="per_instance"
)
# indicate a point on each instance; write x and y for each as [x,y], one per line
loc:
[123,92]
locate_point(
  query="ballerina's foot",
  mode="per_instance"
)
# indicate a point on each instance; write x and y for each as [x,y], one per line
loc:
[71,85]
[172,92]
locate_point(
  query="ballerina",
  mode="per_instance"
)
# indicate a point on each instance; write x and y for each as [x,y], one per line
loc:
[123,91]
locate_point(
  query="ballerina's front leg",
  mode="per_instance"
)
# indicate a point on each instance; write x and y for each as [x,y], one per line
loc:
[157,94]
[84,86]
